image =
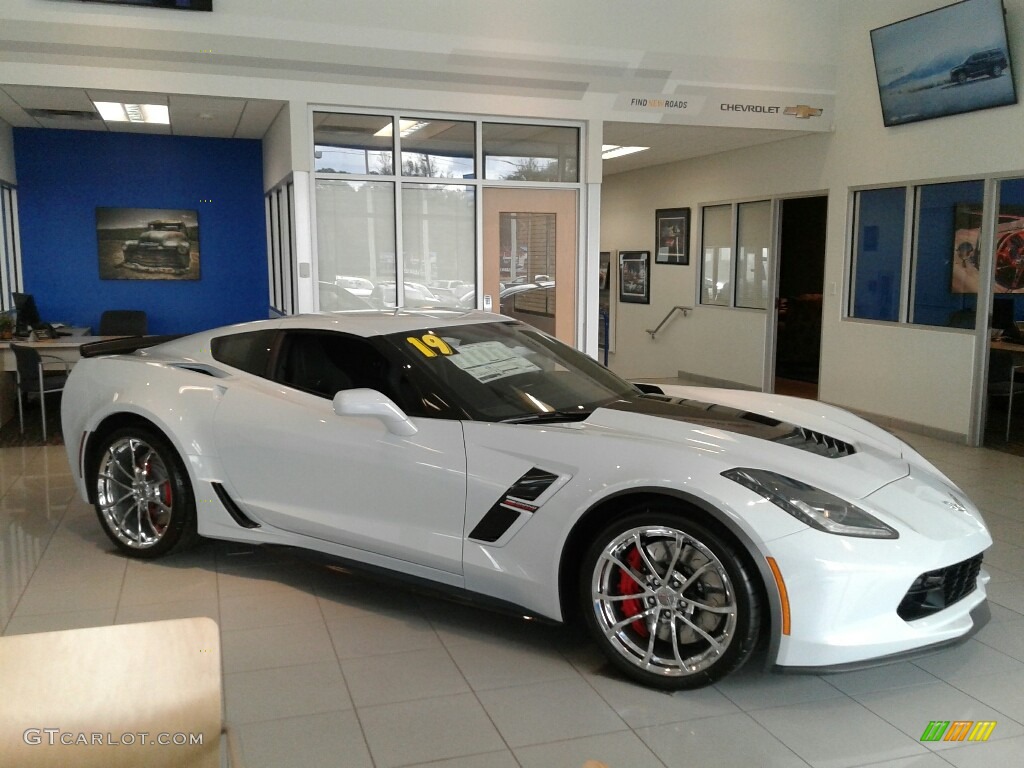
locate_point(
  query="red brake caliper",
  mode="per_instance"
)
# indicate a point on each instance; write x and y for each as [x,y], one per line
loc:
[628,586]
[165,493]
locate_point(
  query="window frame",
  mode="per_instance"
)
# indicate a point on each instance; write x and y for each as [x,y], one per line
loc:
[478,181]
[909,256]
[734,265]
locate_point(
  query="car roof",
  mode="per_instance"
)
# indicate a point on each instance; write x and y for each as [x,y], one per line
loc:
[359,322]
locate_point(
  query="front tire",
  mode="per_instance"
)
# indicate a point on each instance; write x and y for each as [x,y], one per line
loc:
[144,500]
[670,602]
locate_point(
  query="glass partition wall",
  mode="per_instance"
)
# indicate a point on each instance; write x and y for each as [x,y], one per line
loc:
[399,203]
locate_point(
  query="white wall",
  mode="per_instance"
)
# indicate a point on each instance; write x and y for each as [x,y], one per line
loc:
[919,375]
[7,154]
[277,150]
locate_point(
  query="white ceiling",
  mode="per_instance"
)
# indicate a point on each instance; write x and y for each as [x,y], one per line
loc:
[28,106]
[72,108]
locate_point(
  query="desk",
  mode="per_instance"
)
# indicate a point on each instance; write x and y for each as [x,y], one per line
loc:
[64,347]
[1006,346]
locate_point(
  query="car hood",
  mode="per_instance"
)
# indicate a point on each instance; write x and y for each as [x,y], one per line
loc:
[803,439]
[160,236]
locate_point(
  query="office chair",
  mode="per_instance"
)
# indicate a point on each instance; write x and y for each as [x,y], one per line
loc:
[32,378]
[123,322]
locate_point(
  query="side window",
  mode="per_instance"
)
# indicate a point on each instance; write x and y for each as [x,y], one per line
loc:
[324,363]
[248,351]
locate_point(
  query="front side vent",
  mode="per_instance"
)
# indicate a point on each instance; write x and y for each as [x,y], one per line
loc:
[817,443]
[517,499]
[532,484]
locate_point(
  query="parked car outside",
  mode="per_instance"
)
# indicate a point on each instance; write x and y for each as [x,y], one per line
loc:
[358,286]
[416,295]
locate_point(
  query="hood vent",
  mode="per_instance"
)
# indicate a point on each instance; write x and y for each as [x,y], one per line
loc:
[817,443]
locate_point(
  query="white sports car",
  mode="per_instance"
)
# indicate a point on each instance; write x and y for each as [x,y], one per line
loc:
[685,525]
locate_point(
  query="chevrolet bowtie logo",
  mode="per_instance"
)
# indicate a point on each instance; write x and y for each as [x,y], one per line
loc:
[802,112]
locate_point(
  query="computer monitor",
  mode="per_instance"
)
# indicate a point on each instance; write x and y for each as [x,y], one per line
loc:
[1003,312]
[28,314]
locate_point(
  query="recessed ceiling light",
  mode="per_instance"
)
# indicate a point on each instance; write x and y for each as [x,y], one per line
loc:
[608,151]
[115,112]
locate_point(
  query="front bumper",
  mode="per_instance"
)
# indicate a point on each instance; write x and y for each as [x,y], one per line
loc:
[980,616]
[856,601]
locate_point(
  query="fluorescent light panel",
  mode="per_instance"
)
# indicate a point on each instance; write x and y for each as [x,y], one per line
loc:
[608,151]
[115,112]
[405,127]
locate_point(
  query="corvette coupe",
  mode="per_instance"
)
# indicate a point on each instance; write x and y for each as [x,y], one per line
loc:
[684,526]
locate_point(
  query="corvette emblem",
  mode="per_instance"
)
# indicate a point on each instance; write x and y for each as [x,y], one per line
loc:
[955,504]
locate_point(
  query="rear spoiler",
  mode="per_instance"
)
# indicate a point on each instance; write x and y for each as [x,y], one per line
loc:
[124,345]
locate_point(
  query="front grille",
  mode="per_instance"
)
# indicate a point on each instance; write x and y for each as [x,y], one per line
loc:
[935,590]
[817,442]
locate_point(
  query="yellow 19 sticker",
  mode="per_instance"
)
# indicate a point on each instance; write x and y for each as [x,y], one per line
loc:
[431,345]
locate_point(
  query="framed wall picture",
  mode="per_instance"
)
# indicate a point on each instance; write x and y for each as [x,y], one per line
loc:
[1009,270]
[605,305]
[147,243]
[672,236]
[635,277]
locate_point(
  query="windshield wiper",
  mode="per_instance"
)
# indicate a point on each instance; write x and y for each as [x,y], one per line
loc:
[547,417]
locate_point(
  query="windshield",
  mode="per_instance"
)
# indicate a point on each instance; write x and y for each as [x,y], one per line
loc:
[507,371]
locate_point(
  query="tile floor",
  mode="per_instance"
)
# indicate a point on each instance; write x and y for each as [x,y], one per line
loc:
[326,669]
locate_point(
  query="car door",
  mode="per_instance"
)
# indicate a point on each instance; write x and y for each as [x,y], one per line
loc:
[291,462]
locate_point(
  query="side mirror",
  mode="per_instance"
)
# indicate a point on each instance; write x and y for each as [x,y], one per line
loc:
[370,402]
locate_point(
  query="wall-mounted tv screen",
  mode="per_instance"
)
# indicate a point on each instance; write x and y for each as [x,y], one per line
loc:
[947,61]
[185,5]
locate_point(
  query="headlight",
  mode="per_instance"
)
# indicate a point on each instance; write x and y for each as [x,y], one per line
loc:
[812,506]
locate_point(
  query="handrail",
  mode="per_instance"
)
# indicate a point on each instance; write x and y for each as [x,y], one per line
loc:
[685,310]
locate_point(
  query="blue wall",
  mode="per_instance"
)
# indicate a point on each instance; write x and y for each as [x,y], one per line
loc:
[63,176]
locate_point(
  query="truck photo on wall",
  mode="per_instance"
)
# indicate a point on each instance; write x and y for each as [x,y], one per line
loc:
[147,243]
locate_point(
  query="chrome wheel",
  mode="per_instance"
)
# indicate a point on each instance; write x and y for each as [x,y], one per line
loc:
[134,493]
[670,598]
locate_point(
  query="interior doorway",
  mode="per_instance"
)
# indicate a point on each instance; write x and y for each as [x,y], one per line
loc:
[798,306]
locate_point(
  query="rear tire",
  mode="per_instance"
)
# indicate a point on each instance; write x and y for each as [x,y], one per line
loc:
[144,499]
[670,602]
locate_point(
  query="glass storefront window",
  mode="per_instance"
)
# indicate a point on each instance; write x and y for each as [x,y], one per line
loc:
[531,152]
[439,242]
[878,257]
[753,245]
[716,245]
[421,248]
[355,228]
[353,144]
[437,149]
[946,254]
